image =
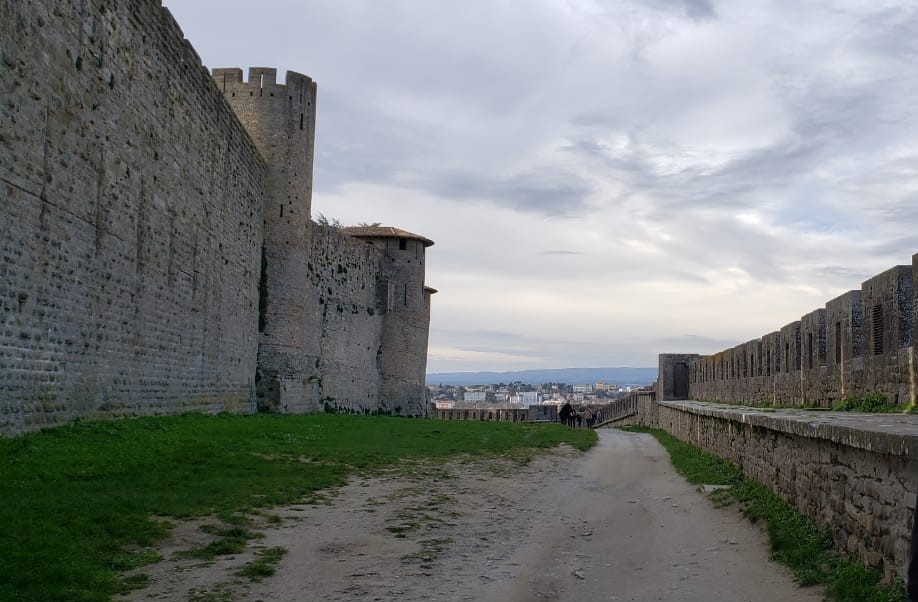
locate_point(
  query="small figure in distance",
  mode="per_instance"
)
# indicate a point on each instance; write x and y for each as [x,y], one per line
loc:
[565,414]
[588,416]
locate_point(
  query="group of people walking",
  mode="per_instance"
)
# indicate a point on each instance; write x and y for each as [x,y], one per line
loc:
[585,416]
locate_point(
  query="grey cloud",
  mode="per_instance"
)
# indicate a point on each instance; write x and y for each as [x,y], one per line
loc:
[901,247]
[682,276]
[561,252]
[693,9]
[842,273]
[550,192]
[594,119]
[699,9]
[693,341]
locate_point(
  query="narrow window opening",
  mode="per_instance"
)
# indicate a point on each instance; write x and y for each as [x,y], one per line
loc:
[877,319]
[809,347]
[838,343]
[261,85]
[282,211]
[301,121]
[786,357]
[402,244]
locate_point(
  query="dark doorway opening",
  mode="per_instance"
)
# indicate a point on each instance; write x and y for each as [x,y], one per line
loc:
[680,381]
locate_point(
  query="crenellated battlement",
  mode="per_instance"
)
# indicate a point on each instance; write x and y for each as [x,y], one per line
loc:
[861,343]
[299,89]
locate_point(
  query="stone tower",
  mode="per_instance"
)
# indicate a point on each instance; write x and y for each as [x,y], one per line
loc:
[405,302]
[280,119]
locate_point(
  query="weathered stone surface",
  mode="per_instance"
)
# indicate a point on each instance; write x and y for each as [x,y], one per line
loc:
[129,204]
[158,254]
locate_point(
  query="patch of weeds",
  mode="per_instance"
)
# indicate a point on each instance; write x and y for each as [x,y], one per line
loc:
[273,519]
[431,550]
[234,518]
[500,469]
[406,520]
[853,582]
[232,541]
[316,499]
[874,402]
[795,540]
[134,559]
[264,564]
[221,593]
[400,530]
[721,498]
[131,582]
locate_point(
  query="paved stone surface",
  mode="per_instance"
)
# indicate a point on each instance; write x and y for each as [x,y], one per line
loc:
[895,433]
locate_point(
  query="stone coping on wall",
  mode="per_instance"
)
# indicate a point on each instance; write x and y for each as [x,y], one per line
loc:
[895,434]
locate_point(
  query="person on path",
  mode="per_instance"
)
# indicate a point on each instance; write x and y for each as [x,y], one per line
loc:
[565,414]
[588,416]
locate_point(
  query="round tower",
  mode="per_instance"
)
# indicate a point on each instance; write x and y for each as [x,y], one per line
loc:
[405,303]
[280,119]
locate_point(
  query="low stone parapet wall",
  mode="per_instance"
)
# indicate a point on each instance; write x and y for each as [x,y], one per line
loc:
[857,473]
[492,414]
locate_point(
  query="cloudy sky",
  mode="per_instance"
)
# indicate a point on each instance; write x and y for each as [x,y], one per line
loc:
[605,180]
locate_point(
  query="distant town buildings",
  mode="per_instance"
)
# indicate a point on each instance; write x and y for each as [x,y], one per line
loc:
[527,398]
[517,394]
[474,396]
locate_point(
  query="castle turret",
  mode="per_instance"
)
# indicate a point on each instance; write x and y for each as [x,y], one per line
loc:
[280,119]
[405,302]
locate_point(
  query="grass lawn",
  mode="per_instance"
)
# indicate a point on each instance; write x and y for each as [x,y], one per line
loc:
[80,502]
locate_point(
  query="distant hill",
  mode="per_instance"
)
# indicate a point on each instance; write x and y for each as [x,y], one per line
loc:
[571,376]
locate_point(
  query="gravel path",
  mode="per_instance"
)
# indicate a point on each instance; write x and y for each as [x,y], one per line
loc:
[616,523]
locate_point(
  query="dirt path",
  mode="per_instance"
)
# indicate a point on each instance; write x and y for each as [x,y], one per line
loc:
[616,523]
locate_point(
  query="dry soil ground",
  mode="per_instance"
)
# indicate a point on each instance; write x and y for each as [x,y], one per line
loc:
[616,523]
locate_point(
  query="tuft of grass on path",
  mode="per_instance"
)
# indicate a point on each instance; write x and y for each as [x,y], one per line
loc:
[795,540]
[82,502]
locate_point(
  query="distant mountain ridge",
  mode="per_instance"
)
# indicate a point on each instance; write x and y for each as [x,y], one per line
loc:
[571,376]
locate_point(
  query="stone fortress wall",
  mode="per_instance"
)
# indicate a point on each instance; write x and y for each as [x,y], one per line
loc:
[158,254]
[861,342]
[851,472]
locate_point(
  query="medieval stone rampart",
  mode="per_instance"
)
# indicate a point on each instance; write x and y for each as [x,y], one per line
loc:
[130,198]
[158,254]
[343,276]
[860,343]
